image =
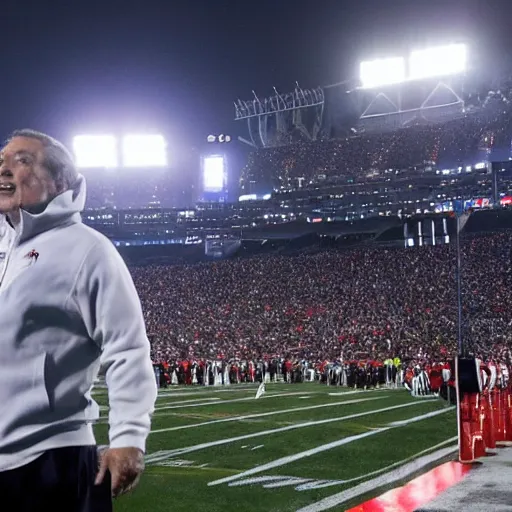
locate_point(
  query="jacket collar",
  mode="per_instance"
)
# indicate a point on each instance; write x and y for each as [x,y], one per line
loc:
[62,210]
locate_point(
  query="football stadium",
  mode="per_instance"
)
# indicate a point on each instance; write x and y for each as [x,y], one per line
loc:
[325,290]
[304,336]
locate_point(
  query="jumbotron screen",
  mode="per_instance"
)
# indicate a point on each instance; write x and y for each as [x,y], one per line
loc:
[213,173]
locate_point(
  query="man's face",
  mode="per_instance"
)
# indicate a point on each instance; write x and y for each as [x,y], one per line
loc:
[24,182]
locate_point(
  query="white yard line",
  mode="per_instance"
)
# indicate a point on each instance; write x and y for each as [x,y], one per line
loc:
[205,390]
[268,395]
[401,462]
[270,482]
[248,399]
[195,400]
[249,388]
[388,478]
[264,414]
[163,455]
[325,447]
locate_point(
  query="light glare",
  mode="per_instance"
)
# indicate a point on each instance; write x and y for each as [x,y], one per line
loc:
[440,61]
[375,73]
[95,151]
[144,151]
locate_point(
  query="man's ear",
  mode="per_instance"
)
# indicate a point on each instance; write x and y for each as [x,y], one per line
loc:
[60,185]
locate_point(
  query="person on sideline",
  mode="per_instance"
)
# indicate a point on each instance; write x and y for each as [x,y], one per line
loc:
[68,306]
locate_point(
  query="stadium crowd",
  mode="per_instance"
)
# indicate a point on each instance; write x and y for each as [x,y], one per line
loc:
[332,305]
[462,141]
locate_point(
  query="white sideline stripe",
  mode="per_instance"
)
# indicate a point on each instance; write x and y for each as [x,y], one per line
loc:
[386,479]
[248,399]
[166,454]
[264,414]
[322,448]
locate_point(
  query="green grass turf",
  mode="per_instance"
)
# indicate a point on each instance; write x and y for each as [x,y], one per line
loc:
[183,419]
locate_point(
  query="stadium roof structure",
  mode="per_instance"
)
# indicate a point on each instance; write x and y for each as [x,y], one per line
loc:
[391,91]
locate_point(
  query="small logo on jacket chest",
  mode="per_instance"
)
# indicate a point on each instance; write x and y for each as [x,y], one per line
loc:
[32,255]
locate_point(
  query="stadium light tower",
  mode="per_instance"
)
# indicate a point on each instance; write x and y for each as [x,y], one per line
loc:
[95,151]
[144,151]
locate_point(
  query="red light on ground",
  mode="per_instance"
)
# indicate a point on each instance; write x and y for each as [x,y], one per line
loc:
[417,492]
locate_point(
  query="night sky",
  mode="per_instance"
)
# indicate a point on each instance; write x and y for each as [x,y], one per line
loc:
[176,66]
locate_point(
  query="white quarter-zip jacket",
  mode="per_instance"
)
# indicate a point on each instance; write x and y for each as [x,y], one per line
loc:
[68,305]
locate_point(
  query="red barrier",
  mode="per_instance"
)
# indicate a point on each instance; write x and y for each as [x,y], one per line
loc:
[485,417]
[488,419]
[499,411]
[508,414]
[472,444]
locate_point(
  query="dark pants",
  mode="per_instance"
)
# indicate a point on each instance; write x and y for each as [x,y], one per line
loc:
[60,480]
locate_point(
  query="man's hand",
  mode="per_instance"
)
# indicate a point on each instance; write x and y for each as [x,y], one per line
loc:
[125,466]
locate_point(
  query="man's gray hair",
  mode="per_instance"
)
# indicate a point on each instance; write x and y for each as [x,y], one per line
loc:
[57,159]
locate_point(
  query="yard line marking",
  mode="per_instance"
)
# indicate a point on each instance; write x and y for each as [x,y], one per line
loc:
[286,483]
[264,414]
[257,447]
[248,399]
[166,454]
[250,388]
[306,487]
[366,391]
[105,408]
[312,484]
[205,390]
[266,395]
[195,400]
[297,456]
[325,447]
[386,479]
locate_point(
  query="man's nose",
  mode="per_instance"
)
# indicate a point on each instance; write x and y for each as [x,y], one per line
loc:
[5,170]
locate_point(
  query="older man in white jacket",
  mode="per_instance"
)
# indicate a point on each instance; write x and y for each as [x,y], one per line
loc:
[67,306]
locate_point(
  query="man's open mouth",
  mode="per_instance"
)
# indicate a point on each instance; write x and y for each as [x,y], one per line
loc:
[7,188]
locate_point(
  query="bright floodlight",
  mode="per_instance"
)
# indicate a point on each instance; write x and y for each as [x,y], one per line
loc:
[375,73]
[440,61]
[144,151]
[95,151]
[213,173]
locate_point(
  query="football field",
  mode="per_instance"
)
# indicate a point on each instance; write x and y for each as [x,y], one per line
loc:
[304,447]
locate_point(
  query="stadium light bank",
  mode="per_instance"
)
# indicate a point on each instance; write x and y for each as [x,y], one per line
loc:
[422,64]
[108,152]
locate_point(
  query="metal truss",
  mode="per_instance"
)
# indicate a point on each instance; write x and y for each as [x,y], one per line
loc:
[298,98]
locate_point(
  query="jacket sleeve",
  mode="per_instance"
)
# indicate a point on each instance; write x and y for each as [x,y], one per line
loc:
[112,314]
